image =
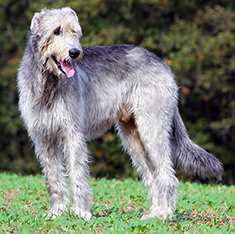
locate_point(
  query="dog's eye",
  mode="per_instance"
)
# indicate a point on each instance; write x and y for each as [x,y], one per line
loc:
[57,31]
[73,31]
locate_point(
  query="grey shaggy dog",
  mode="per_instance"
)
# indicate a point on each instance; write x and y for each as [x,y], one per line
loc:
[70,94]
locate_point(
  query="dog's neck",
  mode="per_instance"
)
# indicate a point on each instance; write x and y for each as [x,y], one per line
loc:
[51,86]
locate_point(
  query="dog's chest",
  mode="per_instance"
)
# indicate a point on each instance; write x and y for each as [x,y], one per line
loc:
[52,120]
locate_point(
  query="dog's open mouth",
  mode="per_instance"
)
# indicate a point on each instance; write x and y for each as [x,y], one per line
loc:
[65,67]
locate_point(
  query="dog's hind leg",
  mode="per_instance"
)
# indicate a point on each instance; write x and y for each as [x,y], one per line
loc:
[76,157]
[51,160]
[146,135]
[153,120]
[127,131]
[155,168]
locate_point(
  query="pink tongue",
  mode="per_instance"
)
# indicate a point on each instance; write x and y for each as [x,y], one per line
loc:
[67,68]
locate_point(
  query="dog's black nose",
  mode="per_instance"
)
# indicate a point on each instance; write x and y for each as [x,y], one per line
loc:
[74,53]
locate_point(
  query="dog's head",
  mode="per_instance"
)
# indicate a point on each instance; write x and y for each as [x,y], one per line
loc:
[56,37]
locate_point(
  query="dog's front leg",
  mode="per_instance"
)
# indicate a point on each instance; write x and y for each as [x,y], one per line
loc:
[76,157]
[51,160]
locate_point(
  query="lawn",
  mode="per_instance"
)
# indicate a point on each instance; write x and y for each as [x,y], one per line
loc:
[118,206]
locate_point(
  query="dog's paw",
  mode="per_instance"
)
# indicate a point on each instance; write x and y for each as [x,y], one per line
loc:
[151,216]
[54,212]
[147,216]
[84,214]
[49,216]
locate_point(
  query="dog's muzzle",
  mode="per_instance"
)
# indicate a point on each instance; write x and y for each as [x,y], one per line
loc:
[66,66]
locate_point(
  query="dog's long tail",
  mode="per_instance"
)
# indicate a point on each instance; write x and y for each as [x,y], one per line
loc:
[188,156]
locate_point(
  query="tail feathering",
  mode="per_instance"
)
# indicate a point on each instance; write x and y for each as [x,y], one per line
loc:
[188,156]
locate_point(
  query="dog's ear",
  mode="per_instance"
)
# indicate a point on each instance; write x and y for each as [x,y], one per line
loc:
[35,22]
[70,11]
[74,13]
[37,18]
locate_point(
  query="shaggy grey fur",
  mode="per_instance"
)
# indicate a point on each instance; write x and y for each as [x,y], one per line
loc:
[69,94]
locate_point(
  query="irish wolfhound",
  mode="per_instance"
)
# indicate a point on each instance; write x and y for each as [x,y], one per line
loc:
[69,94]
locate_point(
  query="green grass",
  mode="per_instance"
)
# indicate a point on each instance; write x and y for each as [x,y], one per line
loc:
[117,207]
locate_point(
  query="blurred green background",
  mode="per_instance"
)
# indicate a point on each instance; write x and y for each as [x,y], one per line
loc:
[196,38]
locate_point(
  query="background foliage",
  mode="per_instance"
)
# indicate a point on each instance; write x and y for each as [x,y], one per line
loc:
[195,38]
